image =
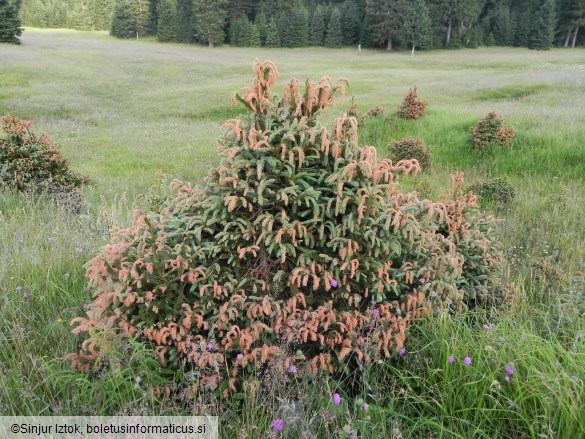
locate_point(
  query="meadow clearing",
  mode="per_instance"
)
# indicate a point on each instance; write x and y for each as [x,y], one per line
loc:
[125,111]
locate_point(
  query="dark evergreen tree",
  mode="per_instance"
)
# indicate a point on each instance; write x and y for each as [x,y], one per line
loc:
[131,18]
[153,13]
[502,25]
[123,21]
[209,18]
[416,29]
[167,26]
[351,22]
[184,21]
[261,23]
[10,29]
[334,36]
[295,29]
[254,40]
[542,33]
[523,26]
[272,34]
[318,27]
[475,37]
[385,18]
[365,34]
[240,32]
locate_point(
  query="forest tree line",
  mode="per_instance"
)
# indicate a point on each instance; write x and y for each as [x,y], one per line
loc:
[424,24]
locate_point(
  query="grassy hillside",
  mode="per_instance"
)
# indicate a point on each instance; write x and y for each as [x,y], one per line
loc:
[126,111]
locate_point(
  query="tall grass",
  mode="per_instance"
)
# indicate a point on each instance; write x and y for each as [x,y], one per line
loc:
[122,110]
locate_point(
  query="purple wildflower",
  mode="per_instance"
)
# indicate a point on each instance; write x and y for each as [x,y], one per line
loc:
[467,361]
[138,379]
[422,280]
[240,357]
[509,369]
[402,351]
[25,295]
[67,275]
[365,406]
[209,346]
[79,249]
[51,239]
[353,436]
[487,327]
[292,369]
[278,425]
[333,283]
[451,359]
[336,398]
[507,379]
[375,313]
[18,288]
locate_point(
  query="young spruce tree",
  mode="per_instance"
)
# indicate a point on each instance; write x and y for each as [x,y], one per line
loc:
[416,29]
[123,21]
[167,26]
[261,23]
[209,17]
[299,251]
[334,36]
[272,34]
[318,27]
[10,28]
[542,33]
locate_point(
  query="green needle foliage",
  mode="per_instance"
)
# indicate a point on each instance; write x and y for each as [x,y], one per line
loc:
[299,251]
[10,28]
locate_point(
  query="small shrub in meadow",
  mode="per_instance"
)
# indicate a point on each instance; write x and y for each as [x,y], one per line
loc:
[412,107]
[375,111]
[32,163]
[498,192]
[490,130]
[411,148]
[299,251]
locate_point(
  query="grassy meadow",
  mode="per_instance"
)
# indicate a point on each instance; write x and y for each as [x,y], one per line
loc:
[126,112]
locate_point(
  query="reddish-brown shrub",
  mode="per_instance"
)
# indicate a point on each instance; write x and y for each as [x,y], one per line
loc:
[32,163]
[412,107]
